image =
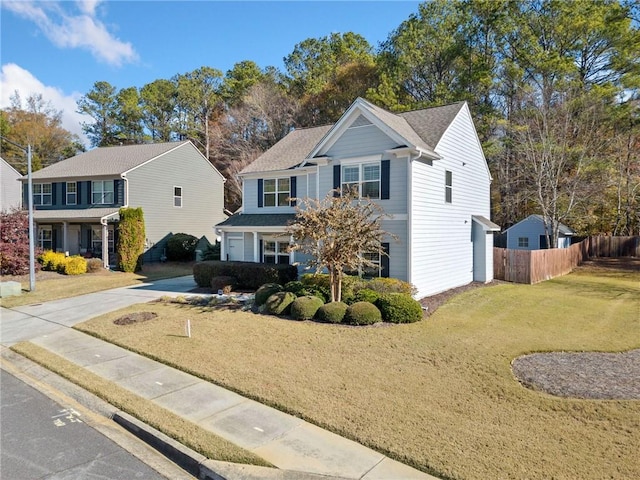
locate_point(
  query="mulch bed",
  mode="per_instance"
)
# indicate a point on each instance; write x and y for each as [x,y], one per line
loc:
[135,317]
[590,375]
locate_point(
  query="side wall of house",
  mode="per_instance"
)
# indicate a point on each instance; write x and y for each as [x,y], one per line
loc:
[441,255]
[11,191]
[151,186]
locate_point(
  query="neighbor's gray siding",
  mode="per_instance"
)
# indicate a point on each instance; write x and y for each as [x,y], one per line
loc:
[151,187]
[10,193]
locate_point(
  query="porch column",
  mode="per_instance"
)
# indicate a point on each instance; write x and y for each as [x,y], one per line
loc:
[105,245]
[256,248]
[65,238]
[292,253]
[223,243]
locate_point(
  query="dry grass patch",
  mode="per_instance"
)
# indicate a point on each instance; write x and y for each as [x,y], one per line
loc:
[185,432]
[54,286]
[438,394]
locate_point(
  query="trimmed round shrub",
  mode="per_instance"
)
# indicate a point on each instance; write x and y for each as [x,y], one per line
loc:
[391,285]
[367,295]
[301,290]
[75,265]
[94,265]
[265,291]
[305,308]
[280,303]
[362,313]
[226,284]
[296,287]
[181,247]
[333,312]
[399,308]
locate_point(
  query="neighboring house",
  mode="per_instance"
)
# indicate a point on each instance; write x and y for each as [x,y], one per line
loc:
[530,234]
[77,200]
[425,168]
[11,195]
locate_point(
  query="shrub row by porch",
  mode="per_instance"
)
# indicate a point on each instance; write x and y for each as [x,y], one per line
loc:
[59,262]
[248,275]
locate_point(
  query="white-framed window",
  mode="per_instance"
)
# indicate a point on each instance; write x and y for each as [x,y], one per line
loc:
[364,178]
[448,186]
[42,194]
[177,197]
[275,251]
[523,242]
[72,193]
[375,270]
[45,237]
[276,192]
[96,239]
[102,192]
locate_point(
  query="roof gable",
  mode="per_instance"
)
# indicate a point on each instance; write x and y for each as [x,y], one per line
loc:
[562,228]
[107,161]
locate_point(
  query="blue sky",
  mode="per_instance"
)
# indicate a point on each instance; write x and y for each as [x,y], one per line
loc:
[61,48]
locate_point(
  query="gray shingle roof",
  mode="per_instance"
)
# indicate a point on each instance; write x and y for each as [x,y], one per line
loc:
[107,161]
[562,228]
[420,128]
[258,220]
[288,152]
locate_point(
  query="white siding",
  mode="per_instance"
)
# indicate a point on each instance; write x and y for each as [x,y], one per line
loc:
[11,191]
[441,241]
[250,193]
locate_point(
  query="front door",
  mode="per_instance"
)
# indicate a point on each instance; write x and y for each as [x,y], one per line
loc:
[234,252]
[73,239]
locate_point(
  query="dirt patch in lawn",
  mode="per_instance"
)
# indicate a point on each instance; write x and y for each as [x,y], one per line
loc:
[589,375]
[432,302]
[135,317]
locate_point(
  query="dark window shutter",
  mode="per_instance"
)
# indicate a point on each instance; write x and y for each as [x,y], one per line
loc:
[25,194]
[89,238]
[384,261]
[64,193]
[385,168]
[336,180]
[293,187]
[89,199]
[53,193]
[115,192]
[54,239]
[78,193]
[261,252]
[260,191]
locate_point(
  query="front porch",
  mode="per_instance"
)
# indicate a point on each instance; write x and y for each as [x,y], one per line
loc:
[90,232]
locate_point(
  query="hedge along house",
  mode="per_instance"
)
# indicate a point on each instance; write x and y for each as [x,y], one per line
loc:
[425,168]
[77,200]
[531,234]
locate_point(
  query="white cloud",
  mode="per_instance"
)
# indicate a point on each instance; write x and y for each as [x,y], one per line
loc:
[15,78]
[84,30]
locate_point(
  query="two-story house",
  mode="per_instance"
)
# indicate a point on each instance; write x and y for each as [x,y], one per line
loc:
[76,201]
[425,168]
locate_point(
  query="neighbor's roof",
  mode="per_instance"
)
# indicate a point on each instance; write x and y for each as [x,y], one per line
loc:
[107,161]
[420,128]
[258,220]
[73,214]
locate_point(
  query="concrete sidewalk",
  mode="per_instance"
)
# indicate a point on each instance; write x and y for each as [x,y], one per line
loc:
[291,444]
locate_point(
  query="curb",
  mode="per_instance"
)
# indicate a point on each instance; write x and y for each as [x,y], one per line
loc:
[190,461]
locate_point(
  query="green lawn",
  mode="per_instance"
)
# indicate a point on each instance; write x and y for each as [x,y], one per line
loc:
[438,394]
[54,286]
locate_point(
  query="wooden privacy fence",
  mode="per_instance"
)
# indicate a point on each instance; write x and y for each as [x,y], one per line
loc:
[533,266]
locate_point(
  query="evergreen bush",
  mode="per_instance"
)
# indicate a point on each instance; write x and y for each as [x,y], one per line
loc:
[280,303]
[75,265]
[305,307]
[131,238]
[367,295]
[399,308]
[333,312]
[250,275]
[181,247]
[226,284]
[265,291]
[362,313]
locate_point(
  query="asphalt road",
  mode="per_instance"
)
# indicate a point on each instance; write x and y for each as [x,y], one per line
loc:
[41,439]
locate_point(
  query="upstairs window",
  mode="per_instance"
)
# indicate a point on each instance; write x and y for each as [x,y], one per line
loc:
[448,186]
[177,197]
[102,192]
[277,192]
[72,193]
[364,179]
[42,194]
